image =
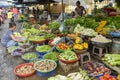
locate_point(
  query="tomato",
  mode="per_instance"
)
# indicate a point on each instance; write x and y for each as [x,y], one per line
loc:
[107,76]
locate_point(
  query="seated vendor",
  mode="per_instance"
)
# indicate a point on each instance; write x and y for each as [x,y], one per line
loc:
[8,38]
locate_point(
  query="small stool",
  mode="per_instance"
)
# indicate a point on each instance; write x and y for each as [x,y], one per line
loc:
[101,51]
[82,56]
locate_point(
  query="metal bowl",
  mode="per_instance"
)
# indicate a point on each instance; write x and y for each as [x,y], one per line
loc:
[101,44]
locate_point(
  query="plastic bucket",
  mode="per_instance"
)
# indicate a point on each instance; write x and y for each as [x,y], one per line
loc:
[116,46]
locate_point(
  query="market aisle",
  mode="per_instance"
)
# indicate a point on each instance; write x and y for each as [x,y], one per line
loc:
[7,63]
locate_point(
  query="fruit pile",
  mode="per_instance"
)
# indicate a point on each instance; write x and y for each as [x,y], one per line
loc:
[107,77]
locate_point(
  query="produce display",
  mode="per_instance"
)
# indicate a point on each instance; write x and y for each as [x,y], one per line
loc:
[43,48]
[85,31]
[26,34]
[25,69]
[112,59]
[29,56]
[68,55]
[45,65]
[101,39]
[62,46]
[59,77]
[49,36]
[79,45]
[33,31]
[51,56]
[100,27]
[106,77]
[82,75]
[12,48]
[17,34]
[95,69]
[36,38]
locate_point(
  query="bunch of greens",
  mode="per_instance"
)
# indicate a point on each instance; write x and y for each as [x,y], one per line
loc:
[49,36]
[33,31]
[68,55]
[43,48]
[29,56]
[36,38]
[51,56]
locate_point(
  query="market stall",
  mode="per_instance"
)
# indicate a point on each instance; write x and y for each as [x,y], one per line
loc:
[68,55]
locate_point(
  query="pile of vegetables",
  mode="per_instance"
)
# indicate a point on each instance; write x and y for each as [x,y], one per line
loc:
[106,77]
[84,31]
[101,39]
[62,46]
[51,56]
[82,75]
[43,48]
[45,65]
[95,69]
[79,44]
[36,38]
[29,56]
[68,55]
[112,59]
[49,36]
[26,69]
[33,31]
[12,48]
[17,34]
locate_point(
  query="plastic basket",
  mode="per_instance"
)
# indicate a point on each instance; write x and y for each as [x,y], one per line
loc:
[30,60]
[23,75]
[46,74]
[40,54]
[70,61]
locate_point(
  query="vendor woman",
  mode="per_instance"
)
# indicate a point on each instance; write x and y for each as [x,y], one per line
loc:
[8,38]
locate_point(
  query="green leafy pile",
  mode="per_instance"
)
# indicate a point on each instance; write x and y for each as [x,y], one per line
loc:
[43,48]
[51,56]
[68,55]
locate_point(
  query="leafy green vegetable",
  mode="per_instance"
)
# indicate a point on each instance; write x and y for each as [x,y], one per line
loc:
[44,48]
[51,55]
[68,55]
[49,36]
[33,31]
[36,38]
[11,49]
[29,56]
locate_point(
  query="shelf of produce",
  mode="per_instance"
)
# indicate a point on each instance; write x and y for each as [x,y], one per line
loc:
[114,68]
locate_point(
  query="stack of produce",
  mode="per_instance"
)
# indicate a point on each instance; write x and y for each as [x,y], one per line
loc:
[43,48]
[51,56]
[33,31]
[100,27]
[68,57]
[95,69]
[84,31]
[82,75]
[62,47]
[36,38]
[106,77]
[112,59]
[79,45]
[101,39]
